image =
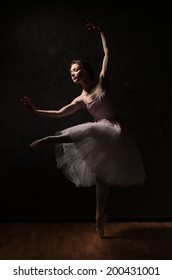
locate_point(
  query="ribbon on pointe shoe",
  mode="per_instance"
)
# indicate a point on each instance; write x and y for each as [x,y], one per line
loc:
[100,221]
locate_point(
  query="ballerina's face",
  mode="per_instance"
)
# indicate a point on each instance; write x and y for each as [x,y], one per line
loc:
[77,73]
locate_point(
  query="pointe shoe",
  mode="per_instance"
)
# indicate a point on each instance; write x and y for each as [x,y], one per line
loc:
[42,143]
[100,221]
[36,145]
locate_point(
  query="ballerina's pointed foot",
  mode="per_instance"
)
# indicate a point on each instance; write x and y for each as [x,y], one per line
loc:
[100,221]
[35,146]
[42,143]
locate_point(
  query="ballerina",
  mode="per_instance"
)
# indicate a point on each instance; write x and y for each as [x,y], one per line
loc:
[101,152]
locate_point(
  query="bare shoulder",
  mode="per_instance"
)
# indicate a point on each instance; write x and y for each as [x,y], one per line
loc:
[78,101]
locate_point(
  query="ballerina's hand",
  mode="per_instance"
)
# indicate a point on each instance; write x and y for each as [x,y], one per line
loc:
[27,102]
[93,26]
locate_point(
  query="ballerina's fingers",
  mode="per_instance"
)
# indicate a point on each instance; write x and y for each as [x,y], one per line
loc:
[90,24]
[93,26]
[26,101]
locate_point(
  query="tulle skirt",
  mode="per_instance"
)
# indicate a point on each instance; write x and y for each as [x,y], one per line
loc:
[103,150]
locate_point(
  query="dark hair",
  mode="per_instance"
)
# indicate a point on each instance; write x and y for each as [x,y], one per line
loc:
[84,65]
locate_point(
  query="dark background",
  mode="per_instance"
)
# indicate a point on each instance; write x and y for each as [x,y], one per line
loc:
[38,42]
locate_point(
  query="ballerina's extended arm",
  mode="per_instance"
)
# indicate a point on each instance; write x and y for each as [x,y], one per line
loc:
[69,109]
[104,70]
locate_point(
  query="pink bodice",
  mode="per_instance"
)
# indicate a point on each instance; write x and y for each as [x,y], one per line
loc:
[102,107]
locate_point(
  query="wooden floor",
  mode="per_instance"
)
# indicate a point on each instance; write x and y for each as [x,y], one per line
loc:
[123,240]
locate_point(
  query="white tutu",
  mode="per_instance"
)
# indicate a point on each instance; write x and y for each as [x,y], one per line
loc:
[100,149]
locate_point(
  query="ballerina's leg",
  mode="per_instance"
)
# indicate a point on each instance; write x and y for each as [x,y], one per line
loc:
[102,190]
[49,141]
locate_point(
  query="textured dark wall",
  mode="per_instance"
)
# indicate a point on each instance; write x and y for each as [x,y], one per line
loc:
[38,41]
